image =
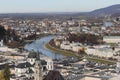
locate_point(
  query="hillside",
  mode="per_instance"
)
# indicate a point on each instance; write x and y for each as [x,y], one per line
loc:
[106,11]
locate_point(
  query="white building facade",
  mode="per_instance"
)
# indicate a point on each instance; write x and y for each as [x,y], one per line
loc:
[111,39]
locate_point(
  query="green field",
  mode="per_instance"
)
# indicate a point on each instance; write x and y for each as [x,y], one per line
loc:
[101,60]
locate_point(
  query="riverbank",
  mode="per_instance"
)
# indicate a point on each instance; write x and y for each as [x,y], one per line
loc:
[71,54]
[29,41]
[59,51]
[39,45]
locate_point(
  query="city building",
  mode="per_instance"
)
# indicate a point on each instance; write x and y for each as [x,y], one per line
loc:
[111,39]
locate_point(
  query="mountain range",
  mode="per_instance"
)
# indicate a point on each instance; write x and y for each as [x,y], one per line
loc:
[111,10]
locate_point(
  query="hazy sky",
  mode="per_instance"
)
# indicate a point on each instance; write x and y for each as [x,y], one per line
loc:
[16,6]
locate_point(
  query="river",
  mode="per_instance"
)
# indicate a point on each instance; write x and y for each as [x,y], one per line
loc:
[38,45]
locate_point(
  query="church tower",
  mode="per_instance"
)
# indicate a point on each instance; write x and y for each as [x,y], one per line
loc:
[38,69]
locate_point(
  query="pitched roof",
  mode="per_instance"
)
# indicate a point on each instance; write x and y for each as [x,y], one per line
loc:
[24,65]
[3,65]
[32,55]
[43,62]
[54,75]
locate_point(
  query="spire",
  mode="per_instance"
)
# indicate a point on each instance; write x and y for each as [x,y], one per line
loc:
[38,55]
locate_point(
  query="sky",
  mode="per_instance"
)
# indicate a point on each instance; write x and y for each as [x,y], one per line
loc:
[36,6]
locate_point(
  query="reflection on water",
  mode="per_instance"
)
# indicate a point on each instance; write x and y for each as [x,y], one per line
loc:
[38,45]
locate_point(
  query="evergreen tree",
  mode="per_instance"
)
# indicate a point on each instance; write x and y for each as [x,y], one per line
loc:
[2,32]
[7,72]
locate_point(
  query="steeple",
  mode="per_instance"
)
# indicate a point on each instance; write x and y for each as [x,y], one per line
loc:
[38,68]
[38,56]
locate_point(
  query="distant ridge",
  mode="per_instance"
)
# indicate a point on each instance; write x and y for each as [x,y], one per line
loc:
[113,10]
[106,11]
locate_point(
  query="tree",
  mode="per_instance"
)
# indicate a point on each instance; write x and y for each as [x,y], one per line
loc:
[2,32]
[2,76]
[84,38]
[6,72]
[82,51]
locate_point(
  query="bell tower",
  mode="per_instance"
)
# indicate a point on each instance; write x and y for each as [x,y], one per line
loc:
[38,69]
